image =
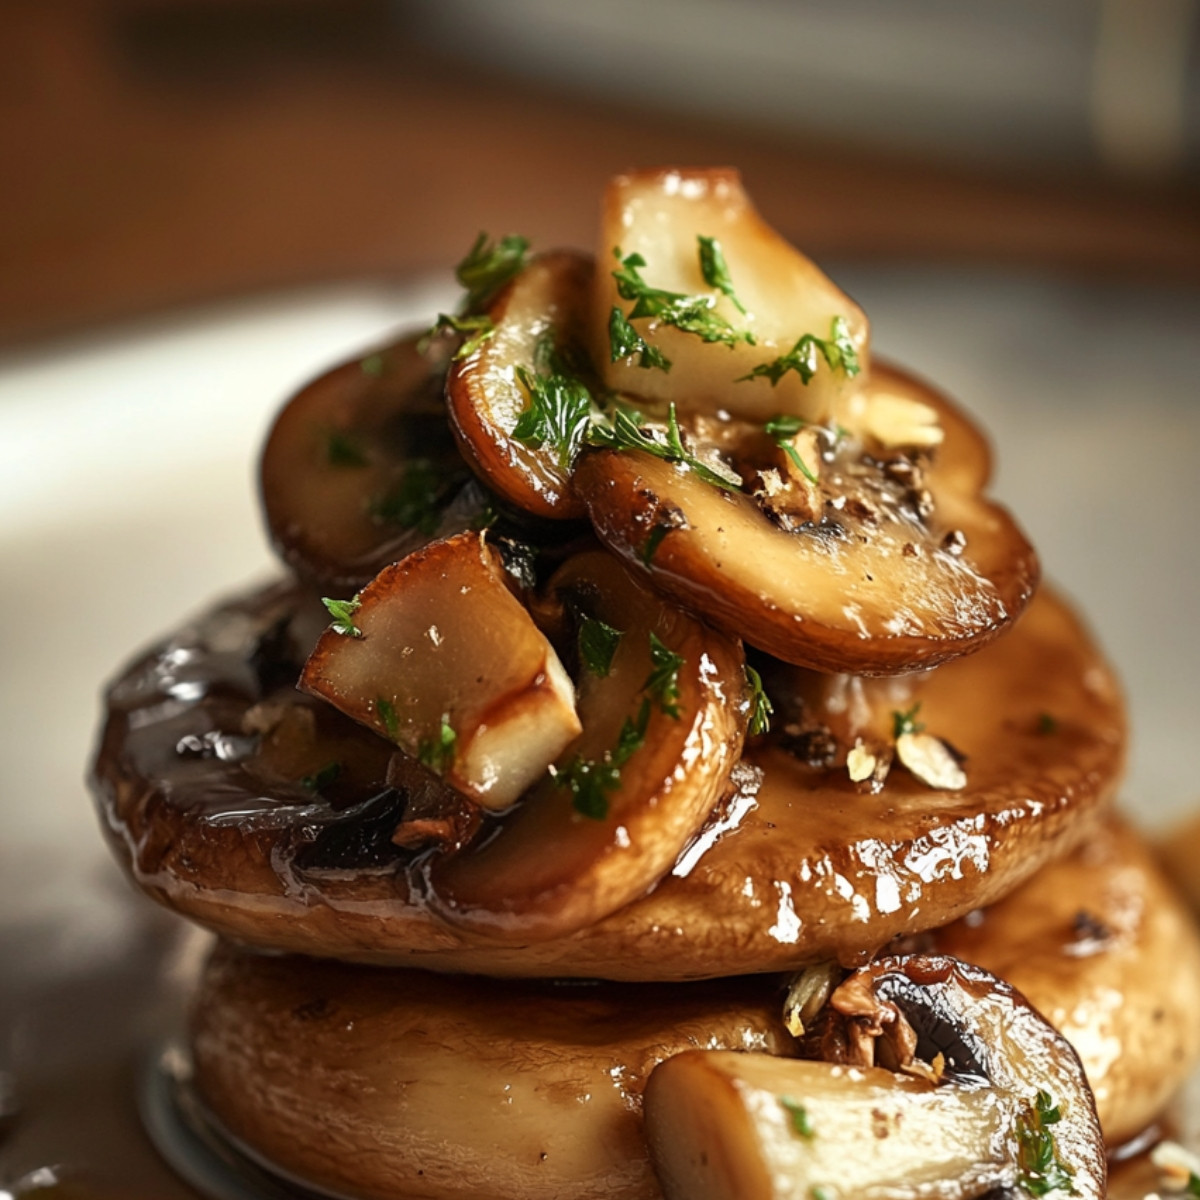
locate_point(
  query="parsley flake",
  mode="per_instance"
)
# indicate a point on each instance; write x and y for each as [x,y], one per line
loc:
[476,330]
[1047,724]
[318,781]
[783,428]
[342,451]
[590,781]
[1042,1171]
[415,501]
[488,266]
[689,314]
[387,714]
[372,365]
[598,644]
[820,1192]
[662,684]
[650,549]
[761,707]
[837,350]
[624,432]
[801,1122]
[625,341]
[437,753]
[1193,1184]
[342,612]
[716,271]
[906,722]
[559,415]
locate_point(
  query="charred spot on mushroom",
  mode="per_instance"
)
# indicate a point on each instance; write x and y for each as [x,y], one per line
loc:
[815,746]
[357,838]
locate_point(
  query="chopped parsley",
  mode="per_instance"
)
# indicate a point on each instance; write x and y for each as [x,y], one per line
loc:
[625,341]
[558,416]
[716,271]
[820,1192]
[437,753]
[1041,1170]
[906,722]
[761,707]
[414,502]
[477,329]
[372,365]
[804,357]
[318,781]
[625,432]
[1193,1184]
[1047,724]
[342,451]
[662,684]
[342,612]
[783,428]
[650,549]
[488,266]
[598,644]
[801,1122]
[387,714]
[689,314]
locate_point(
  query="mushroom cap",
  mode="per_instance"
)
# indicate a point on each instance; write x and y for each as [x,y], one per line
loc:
[804,870]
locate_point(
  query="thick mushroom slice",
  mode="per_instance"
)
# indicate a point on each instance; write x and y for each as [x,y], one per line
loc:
[360,468]
[516,404]
[437,655]
[719,301]
[891,560]
[664,711]
[980,1093]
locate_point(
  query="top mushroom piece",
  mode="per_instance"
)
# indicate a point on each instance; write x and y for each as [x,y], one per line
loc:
[752,465]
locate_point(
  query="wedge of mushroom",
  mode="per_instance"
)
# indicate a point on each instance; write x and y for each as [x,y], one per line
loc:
[1000,1101]
[663,725]
[539,320]
[437,655]
[359,468]
[778,297]
[903,564]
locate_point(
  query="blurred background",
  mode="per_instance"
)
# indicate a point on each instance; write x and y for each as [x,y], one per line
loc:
[206,201]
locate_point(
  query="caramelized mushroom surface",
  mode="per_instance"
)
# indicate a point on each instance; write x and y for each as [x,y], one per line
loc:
[539,318]
[360,468]
[403,1083]
[902,564]
[797,867]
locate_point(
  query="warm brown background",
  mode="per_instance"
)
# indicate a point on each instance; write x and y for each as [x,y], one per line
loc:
[161,152]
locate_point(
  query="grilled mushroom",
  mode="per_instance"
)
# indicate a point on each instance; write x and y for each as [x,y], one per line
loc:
[360,468]
[1000,1101]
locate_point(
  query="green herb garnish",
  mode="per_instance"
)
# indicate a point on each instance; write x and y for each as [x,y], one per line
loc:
[820,1192]
[1047,724]
[591,781]
[387,714]
[689,314]
[1193,1185]
[488,266]
[559,415]
[783,428]
[414,502]
[437,753]
[477,329]
[650,549]
[662,684]
[624,432]
[803,358]
[372,365]
[801,1123]
[625,341]
[342,451]
[320,780]
[598,644]
[716,271]
[906,722]
[342,612]
[761,707]
[1041,1170]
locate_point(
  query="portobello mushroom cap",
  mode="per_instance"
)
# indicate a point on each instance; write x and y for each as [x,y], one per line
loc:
[1010,1108]
[798,866]
[539,315]
[380,1084]
[360,468]
[871,586]
[1102,946]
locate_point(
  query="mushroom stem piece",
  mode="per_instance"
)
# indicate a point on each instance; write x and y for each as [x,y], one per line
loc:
[1010,1109]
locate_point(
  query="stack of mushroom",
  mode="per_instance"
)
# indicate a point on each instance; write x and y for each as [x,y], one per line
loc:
[650,634]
